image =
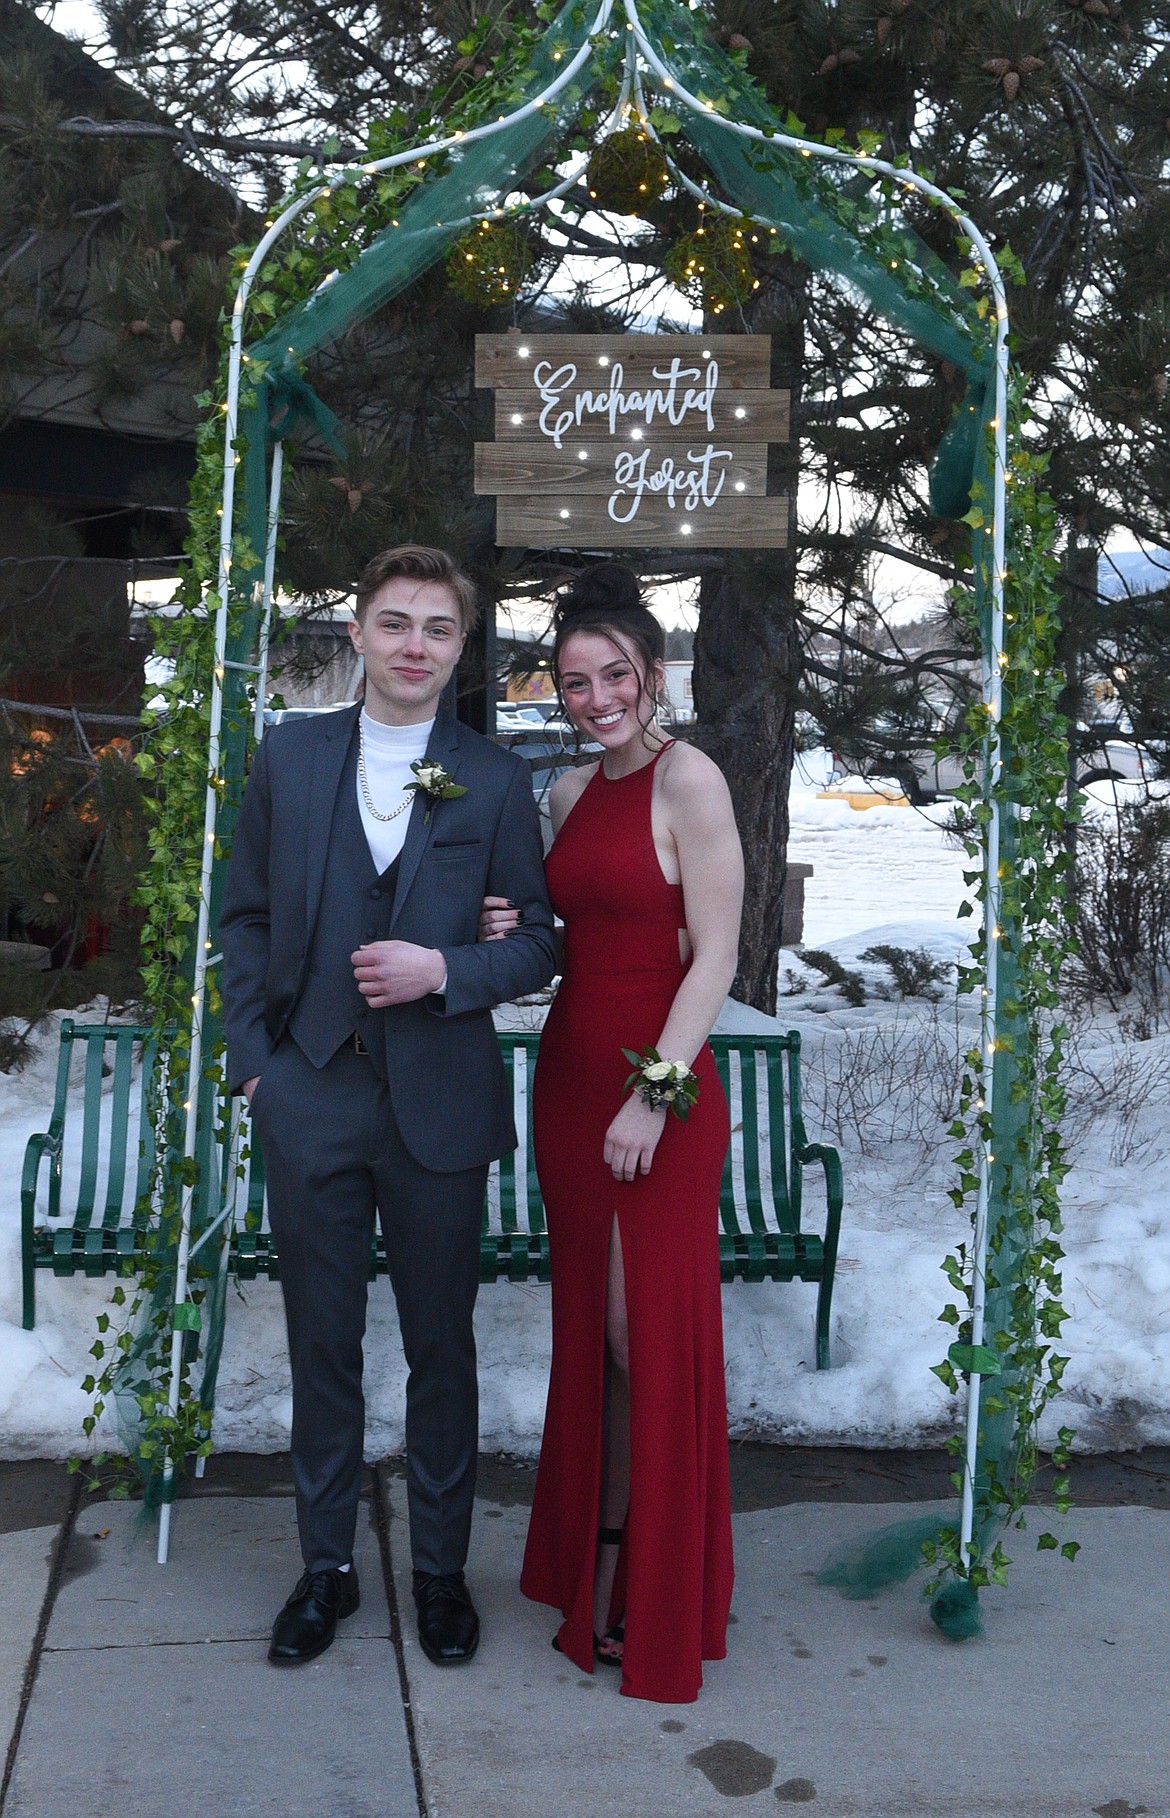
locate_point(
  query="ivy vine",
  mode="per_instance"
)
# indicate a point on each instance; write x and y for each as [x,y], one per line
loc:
[1019,1362]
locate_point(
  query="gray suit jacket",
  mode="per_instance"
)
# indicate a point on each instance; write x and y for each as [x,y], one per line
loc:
[446,1077]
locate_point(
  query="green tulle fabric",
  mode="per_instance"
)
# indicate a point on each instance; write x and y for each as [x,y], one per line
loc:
[861,1569]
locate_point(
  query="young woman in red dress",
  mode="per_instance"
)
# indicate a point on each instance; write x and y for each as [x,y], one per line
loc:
[631,1523]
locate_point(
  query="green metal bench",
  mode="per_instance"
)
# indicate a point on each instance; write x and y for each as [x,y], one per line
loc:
[761,1238]
[113,1157]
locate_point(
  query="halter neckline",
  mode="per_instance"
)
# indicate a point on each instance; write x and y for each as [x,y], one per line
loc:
[641,767]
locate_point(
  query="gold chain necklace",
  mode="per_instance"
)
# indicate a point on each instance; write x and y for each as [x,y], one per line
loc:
[364,780]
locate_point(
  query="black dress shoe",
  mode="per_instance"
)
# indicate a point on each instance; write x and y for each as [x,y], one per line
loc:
[448,1627]
[308,1622]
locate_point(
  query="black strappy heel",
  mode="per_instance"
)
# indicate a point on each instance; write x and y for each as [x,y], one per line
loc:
[607,1537]
[610,1537]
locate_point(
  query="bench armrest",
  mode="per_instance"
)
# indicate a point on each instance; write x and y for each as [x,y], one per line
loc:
[830,1161]
[40,1144]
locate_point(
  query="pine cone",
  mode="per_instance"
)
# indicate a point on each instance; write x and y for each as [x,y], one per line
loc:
[885,26]
[140,326]
[1028,66]
[353,494]
[168,245]
[999,66]
[178,330]
[737,41]
[1011,84]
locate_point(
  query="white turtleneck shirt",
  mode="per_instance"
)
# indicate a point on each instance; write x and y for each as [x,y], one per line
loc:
[390,751]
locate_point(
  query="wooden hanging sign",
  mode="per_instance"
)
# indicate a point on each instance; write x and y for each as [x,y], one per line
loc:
[611,441]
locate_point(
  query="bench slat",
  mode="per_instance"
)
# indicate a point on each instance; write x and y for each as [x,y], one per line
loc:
[90,1131]
[797,1121]
[536,1222]
[508,1161]
[728,1216]
[750,1119]
[119,1120]
[778,1139]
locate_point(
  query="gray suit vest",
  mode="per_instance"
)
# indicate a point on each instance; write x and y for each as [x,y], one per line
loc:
[355,907]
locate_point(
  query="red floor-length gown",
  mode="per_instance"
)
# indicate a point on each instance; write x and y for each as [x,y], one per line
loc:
[621,972]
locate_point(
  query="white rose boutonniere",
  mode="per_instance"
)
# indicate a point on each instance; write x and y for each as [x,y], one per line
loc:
[435,783]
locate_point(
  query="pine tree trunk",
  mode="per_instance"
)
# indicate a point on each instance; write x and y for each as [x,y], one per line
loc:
[747,658]
[747,667]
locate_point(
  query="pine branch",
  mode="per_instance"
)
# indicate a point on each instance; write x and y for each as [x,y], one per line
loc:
[71,714]
[81,126]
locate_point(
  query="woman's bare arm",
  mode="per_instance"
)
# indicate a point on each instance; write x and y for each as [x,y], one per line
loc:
[700,818]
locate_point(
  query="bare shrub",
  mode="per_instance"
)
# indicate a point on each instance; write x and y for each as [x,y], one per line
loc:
[891,1081]
[1119,1085]
[1122,913]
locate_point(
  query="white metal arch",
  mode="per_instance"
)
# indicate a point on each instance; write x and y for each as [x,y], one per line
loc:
[639,47]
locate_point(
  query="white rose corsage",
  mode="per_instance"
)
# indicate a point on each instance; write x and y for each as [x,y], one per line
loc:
[435,783]
[662,1083]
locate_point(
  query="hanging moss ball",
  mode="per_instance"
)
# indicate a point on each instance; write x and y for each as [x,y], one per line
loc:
[713,265]
[492,263]
[627,171]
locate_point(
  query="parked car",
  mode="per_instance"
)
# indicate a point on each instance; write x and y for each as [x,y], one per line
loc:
[522,716]
[1109,759]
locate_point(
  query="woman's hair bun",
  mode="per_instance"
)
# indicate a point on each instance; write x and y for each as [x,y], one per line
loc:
[606,587]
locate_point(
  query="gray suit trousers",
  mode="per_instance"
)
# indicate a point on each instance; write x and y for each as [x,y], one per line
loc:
[332,1154]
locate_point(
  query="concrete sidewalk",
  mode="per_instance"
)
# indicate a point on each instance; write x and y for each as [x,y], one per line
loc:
[152,1692]
[138,1690]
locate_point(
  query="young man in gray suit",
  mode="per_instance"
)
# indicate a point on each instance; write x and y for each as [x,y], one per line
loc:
[358,1009]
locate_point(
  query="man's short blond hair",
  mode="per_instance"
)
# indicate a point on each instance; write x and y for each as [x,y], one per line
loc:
[418,563]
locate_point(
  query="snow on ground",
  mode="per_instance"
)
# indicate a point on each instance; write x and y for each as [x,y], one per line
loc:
[878,1081]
